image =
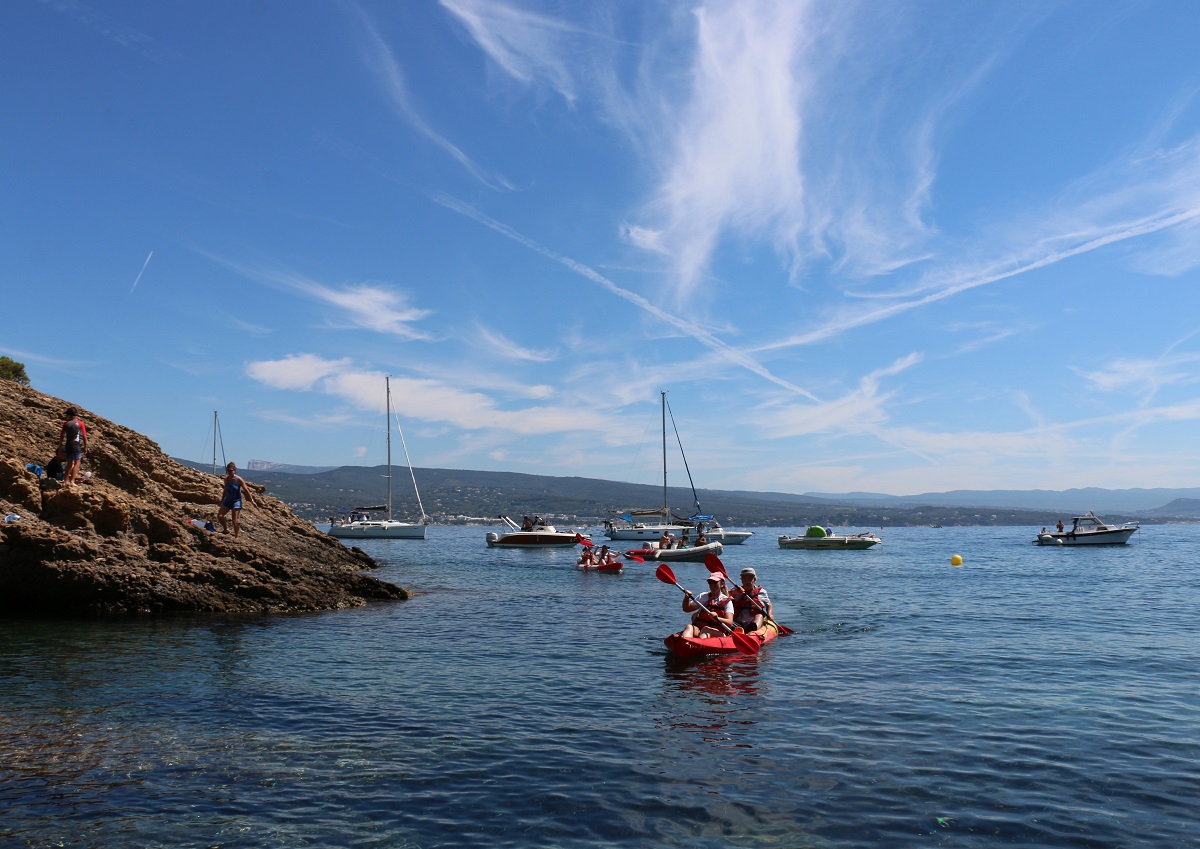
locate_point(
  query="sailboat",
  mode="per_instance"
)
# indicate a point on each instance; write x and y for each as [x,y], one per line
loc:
[649,525]
[361,525]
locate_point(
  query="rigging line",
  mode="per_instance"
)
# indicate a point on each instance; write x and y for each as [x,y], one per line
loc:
[408,460]
[695,498]
[218,436]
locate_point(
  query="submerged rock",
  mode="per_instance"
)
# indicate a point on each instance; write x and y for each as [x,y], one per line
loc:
[123,541]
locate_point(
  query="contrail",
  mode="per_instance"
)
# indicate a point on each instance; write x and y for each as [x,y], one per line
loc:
[140,273]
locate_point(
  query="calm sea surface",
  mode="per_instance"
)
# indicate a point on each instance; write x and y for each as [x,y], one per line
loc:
[1033,697]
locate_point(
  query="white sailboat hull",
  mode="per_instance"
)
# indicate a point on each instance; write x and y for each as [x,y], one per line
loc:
[378,530]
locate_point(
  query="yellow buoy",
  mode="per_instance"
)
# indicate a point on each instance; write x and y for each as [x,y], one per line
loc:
[956,560]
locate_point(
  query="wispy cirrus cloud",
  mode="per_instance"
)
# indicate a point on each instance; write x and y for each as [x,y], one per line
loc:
[683,326]
[499,345]
[115,31]
[525,44]
[368,306]
[388,73]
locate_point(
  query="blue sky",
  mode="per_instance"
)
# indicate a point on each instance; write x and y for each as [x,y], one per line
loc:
[898,247]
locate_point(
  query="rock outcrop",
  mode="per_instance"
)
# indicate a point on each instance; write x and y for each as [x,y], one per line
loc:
[122,542]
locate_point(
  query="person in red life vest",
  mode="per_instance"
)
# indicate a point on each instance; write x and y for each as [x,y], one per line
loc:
[72,441]
[708,623]
[587,558]
[746,614]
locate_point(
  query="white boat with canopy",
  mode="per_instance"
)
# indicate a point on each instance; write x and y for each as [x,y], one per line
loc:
[361,525]
[1088,530]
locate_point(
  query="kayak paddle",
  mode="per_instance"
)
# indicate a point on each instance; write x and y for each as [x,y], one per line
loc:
[741,641]
[714,564]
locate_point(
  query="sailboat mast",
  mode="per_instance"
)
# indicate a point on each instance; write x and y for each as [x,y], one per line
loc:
[666,509]
[214,442]
[387,423]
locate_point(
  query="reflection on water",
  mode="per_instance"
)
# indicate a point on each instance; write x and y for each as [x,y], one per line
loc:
[518,702]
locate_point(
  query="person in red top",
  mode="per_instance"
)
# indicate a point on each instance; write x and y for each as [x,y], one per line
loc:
[720,610]
[72,441]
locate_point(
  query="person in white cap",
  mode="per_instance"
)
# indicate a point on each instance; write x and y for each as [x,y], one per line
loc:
[720,610]
[746,614]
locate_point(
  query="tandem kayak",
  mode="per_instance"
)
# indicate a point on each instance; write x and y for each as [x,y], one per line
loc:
[606,566]
[700,646]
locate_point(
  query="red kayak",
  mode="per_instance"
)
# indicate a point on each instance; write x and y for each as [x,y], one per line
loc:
[606,566]
[700,646]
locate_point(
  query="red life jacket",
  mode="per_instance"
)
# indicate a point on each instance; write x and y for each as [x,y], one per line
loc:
[742,600]
[716,605]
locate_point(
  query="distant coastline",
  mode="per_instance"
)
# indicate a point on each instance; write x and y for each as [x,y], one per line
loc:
[467,497]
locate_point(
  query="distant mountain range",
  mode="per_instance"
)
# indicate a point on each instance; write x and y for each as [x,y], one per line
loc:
[1162,501]
[464,496]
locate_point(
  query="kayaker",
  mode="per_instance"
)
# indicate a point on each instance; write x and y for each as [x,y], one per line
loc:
[720,610]
[746,615]
[587,558]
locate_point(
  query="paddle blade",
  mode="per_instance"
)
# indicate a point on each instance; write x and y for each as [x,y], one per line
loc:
[584,541]
[714,564]
[745,643]
[664,574]
[636,558]
[784,629]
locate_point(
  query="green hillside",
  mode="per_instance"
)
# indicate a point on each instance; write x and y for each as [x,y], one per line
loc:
[457,496]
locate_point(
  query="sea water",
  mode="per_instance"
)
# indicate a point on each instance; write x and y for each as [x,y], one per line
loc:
[1031,697]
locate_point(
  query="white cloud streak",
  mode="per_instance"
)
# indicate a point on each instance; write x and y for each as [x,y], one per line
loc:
[367,306]
[386,69]
[137,279]
[683,327]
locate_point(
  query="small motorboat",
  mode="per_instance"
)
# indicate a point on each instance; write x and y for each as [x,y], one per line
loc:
[537,535]
[689,554]
[817,537]
[685,648]
[1088,530]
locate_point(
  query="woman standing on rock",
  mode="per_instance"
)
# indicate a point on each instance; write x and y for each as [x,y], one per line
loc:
[72,441]
[231,498]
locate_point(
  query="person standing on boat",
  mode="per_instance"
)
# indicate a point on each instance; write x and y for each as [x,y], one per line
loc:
[666,540]
[708,623]
[751,604]
[231,498]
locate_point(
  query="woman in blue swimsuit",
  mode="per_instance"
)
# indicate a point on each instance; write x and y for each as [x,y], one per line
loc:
[231,498]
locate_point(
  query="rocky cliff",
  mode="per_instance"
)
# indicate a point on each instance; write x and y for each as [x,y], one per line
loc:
[122,541]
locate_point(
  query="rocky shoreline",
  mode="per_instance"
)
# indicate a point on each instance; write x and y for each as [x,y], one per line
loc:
[123,543]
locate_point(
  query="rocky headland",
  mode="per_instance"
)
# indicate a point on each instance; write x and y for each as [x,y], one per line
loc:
[122,542]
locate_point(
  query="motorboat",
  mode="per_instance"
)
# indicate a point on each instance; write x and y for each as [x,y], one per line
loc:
[687,554]
[1088,530]
[360,524]
[650,525]
[536,534]
[819,538]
